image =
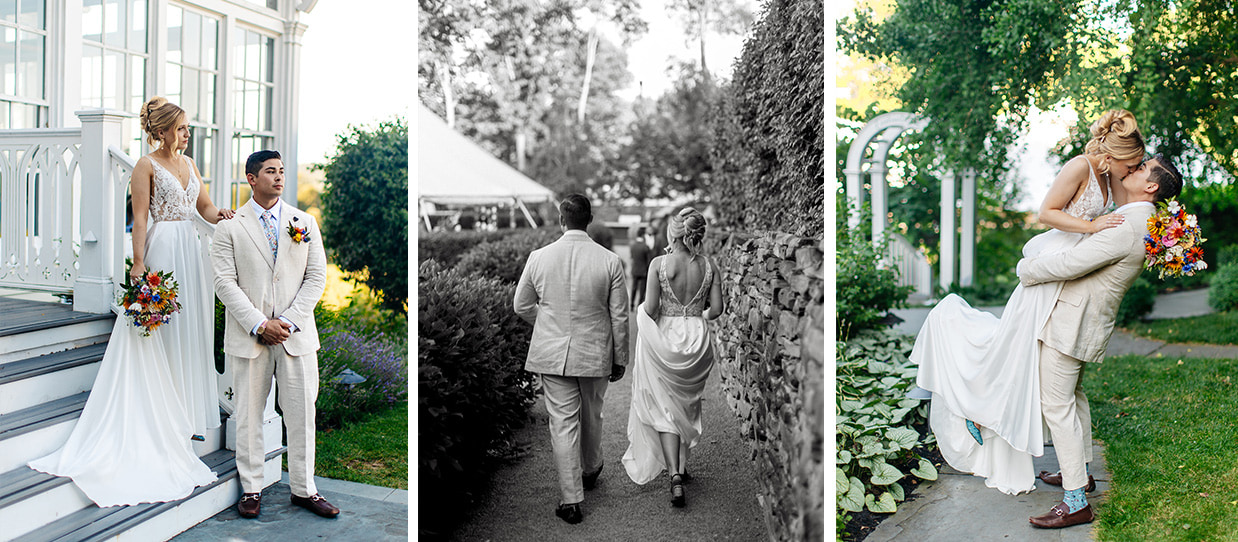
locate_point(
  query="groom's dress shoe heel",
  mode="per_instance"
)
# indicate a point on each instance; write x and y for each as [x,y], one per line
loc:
[1055,479]
[1059,516]
[316,504]
[590,479]
[570,513]
[678,498]
[975,432]
[250,505]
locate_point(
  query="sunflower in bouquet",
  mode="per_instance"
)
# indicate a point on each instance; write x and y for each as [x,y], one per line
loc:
[149,300]
[1172,245]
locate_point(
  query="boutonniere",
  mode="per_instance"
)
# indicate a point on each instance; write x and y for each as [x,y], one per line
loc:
[297,234]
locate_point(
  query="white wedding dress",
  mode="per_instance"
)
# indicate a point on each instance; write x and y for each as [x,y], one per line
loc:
[132,442]
[986,369]
[670,366]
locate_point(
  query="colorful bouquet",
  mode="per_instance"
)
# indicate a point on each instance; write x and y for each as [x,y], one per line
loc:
[1172,245]
[150,300]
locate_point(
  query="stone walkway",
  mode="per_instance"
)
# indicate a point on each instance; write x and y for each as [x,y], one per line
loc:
[722,497]
[960,507]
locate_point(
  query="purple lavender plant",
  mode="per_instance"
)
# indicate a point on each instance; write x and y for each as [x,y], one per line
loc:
[371,356]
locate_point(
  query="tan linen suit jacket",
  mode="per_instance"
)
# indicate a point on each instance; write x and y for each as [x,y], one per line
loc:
[1097,274]
[256,286]
[574,293]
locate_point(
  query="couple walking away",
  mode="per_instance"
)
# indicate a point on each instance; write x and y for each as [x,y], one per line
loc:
[154,395]
[994,379]
[574,293]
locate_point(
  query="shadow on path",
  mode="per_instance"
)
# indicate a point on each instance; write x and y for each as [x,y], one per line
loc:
[722,497]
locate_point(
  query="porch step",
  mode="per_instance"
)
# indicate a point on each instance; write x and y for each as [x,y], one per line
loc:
[143,522]
[34,432]
[32,328]
[29,382]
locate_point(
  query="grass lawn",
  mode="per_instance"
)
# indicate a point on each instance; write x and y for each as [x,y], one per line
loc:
[1169,429]
[1215,328]
[373,451]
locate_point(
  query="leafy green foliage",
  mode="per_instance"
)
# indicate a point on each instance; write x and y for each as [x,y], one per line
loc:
[472,391]
[877,424]
[365,209]
[1214,328]
[1223,294]
[1138,301]
[448,246]
[865,289]
[504,259]
[768,130]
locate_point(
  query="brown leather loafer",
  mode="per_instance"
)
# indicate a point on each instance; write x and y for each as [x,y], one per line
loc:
[316,504]
[1059,517]
[250,505]
[1055,479]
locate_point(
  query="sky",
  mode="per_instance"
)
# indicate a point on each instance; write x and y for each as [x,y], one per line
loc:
[358,66]
[650,56]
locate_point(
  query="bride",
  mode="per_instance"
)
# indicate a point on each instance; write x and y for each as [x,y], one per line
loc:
[673,356]
[983,370]
[153,395]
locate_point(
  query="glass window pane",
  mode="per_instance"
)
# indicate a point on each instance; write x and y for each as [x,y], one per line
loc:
[176,30]
[92,72]
[8,61]
[114,80]
[113,21]
[92,20]
[268,59]
[238,108]
[173,90]
[5,118]
[210,42]
[32,13]
[30,64]
[273,4]
[208,98]
[252,106]
[189,97]
[137,26]
[252,57]
[192,40]
[137,87]
[268,95]
[25,116]
[8,10]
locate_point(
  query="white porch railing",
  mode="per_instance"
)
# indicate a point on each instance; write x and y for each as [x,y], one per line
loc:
[913,267]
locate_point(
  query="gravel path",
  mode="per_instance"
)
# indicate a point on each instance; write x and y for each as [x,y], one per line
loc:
[722,497]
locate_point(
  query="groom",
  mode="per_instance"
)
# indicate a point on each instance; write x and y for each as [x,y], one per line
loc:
[1096,275]
[270,271]
[574,293]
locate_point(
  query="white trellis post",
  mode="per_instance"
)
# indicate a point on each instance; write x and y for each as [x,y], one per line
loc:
[102,212]
[967,243]
[947,230]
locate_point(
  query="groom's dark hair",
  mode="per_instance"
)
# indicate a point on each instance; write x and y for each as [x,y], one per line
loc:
[253,164]
[576,212]
[1168,180]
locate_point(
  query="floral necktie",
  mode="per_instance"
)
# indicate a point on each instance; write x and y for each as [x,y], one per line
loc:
[268,226]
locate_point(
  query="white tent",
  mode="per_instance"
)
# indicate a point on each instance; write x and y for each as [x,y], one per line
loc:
[452,170]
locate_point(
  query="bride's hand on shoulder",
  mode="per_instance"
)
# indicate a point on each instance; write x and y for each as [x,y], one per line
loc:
[225,213]
[1105,222]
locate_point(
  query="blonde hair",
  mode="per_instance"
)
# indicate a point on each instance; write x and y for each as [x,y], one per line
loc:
[1116,134]
[158,114]
[688,225]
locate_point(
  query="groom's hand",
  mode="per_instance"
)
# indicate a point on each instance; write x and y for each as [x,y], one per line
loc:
[616,372]
[275,331]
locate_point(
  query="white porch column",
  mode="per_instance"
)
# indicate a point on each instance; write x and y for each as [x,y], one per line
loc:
[947,231]
[102,220]
[855,196]
[289,103]
[64,62]
[967,244]
[877,178]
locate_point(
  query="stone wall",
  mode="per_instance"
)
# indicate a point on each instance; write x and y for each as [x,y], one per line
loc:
[769,344]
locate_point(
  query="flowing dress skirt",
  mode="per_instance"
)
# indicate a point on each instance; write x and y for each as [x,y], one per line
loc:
[670,365]
[986,369]
[131,443]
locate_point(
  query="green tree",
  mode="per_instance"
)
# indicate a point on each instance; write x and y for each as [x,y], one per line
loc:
[365,209]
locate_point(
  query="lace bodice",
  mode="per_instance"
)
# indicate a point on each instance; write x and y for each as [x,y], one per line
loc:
[670,304]
[168,201]
[1091,203]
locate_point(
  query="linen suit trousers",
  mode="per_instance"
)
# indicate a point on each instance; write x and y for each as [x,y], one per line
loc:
[1067,414]
[297,385]
[575,407]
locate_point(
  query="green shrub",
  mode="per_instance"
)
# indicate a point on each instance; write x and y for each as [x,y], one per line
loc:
[877,424]
[1138,301]
[472,392]
[865,289]
[1223,295]
[1227,256]
[448,246]
[504,259]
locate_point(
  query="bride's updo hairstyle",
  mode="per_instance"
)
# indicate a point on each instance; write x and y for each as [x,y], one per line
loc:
[688,226]
[1116,134]
[158,115]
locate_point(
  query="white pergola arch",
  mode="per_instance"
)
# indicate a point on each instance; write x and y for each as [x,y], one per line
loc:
[882,132]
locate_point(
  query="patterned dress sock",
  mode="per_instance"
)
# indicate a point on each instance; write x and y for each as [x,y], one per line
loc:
[1075,500]
[975,432]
